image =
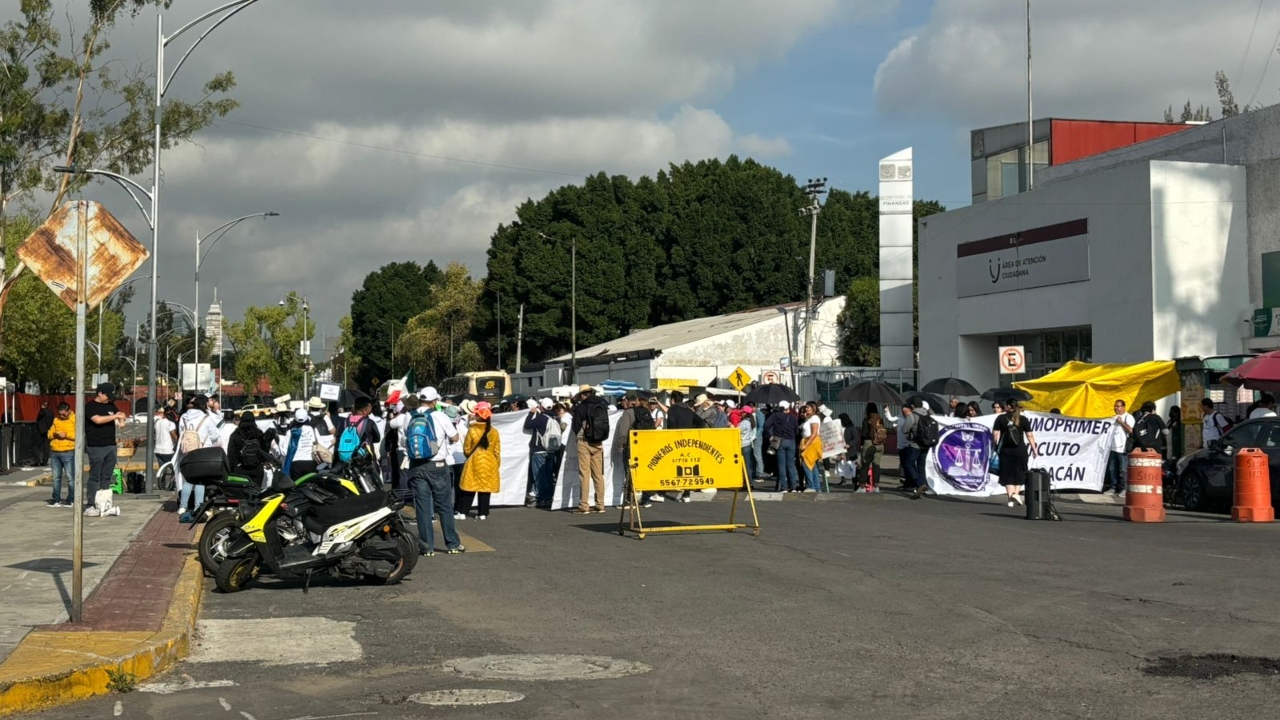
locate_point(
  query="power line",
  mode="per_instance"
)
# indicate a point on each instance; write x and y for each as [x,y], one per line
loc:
[1249,44]
[401,151]
[1258,87]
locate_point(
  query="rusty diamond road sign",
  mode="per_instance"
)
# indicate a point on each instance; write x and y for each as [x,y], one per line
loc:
[50,252]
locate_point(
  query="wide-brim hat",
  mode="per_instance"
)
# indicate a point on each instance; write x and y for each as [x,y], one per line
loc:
[315,403]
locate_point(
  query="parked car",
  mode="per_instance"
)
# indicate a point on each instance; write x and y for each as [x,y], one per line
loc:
[139,418]
[1207,476]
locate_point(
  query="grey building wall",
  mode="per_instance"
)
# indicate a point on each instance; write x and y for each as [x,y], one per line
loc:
[1263,180]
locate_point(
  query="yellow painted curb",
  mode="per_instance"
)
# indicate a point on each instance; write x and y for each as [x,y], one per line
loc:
[51,668]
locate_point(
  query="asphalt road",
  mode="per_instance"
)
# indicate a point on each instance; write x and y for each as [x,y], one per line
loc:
[867,607]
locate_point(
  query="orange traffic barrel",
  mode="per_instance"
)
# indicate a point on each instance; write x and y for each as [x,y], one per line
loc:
[1144,492]
[1253,488]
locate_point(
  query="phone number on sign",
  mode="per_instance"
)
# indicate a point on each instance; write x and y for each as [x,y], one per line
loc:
[687,483]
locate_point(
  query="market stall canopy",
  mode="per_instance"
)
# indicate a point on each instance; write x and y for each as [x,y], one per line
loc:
[1090,391]
[1259,373]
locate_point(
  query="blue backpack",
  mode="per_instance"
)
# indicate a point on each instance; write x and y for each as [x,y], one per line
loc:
[349,442]
[420,438]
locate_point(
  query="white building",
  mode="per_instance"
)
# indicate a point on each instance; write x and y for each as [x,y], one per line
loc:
[764,342]
[1134,260]
[213,329]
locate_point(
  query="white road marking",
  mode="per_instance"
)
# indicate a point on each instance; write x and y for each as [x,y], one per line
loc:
[312,641]
[119,709]
[225,705]
[331,717]
[169,688]
[247,716]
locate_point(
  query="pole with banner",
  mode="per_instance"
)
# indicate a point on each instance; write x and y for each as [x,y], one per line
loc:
[680,460]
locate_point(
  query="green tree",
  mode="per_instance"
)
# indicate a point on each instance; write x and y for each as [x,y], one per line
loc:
[436,342]
[266,342]
[345,362]
[860,323]
[380,308]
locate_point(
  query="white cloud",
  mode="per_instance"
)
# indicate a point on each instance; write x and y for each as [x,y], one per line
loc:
[1092,59]
[569,86]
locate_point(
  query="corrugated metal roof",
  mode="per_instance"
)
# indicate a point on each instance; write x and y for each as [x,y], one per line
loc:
[664,337]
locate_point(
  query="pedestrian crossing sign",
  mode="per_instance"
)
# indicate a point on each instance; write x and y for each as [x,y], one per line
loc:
[739,378]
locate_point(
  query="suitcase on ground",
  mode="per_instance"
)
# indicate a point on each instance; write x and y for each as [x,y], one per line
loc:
[1036,495]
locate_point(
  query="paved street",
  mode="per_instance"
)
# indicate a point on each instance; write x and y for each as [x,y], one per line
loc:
[862,606]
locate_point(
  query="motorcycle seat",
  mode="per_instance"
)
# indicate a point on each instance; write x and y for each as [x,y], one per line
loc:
[321,517]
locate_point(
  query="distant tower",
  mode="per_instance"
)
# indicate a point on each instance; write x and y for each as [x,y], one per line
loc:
[213,326]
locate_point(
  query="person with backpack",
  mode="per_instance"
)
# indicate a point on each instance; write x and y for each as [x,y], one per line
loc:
[544,439]
[591,428]
[922,436]
[1215,425]
[196,430]
[874,435]
[635,416]
[482,474]
[426,439]
[1015,444]
[359,435]
[247,449]
[1149,431]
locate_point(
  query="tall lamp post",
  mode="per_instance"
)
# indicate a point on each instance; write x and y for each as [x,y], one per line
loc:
[220,15]
[304,346]
[814,189]
[573,305]
[213,239]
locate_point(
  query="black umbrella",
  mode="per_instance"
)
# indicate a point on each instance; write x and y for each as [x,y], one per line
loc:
[950,386]
[771,394]
[1004,395]
[870,391]
[933,401]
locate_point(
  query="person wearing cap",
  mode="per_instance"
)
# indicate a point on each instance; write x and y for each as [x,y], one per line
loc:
[198,423]
[482,474]
[744,419]
[543,436]
[102,418]
[590,454]
[430,480]
[781,428]
[460,415]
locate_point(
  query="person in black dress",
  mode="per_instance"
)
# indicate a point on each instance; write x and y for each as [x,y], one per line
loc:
[1015,444]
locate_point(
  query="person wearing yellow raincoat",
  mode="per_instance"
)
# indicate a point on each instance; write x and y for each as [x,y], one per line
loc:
[482,474]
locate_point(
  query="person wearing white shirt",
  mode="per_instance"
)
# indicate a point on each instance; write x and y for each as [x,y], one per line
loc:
[166,436]
[1266,407]
[1214,424]
[429,478]
[195,421]
[1118,461]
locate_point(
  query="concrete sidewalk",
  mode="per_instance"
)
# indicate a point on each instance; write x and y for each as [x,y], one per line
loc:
[142,584]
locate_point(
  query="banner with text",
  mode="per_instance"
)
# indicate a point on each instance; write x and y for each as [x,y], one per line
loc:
[1073,450]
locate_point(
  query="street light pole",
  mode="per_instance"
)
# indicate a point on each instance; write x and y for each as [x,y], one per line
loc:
[213,237]
[815,188]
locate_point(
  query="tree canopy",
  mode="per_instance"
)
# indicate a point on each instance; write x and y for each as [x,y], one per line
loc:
[385,301]
[698,239]
[435,342]
[266,345]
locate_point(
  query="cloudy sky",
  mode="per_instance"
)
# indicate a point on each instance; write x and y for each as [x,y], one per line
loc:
[387,130]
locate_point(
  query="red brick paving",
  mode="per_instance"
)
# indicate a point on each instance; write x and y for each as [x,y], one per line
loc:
[135,593]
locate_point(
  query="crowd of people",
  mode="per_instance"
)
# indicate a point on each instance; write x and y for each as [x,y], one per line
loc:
[444,455]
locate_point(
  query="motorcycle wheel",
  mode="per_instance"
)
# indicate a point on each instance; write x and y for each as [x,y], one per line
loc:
[235,574]
[213,539]
[408,559]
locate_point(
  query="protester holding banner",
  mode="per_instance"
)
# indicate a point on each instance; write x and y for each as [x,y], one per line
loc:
[1015,444]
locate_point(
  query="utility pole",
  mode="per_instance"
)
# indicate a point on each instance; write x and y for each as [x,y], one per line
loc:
[77,511]
[1031,123]
[815,188]
[519,336]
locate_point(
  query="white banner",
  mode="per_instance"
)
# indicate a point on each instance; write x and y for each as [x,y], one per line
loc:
[1073,450]
[515,465]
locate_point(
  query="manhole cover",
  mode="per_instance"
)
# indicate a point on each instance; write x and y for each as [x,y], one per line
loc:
[466,697]
[1215,665]
[545,667]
